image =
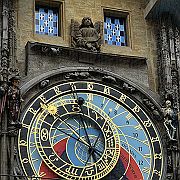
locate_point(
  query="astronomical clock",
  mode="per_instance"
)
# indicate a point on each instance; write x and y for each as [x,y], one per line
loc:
[85,128]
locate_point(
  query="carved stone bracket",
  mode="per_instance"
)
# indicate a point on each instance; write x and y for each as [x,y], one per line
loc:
[49,50]
[109,79]
[77,75]
[128,88]
[44,83]
[46,49]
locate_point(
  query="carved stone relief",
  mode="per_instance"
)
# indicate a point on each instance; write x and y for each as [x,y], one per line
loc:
[86,36]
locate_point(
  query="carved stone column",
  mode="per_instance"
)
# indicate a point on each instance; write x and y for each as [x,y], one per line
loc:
[169,71]
[12,38]
[4,46]
[4,73]
[0,24]
[8,69]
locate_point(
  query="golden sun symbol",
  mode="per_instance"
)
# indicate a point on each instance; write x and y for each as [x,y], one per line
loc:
[52,109]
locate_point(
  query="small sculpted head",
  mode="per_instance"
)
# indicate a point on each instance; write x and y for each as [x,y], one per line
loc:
[15,81]
[168,103]
[87,22]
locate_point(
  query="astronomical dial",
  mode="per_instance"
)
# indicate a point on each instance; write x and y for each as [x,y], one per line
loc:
[88,130]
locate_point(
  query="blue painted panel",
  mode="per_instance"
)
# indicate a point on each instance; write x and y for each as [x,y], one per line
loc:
[116,27]
[48,18]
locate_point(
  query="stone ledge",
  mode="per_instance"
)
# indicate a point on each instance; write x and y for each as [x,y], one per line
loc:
[53,50]
[41,57]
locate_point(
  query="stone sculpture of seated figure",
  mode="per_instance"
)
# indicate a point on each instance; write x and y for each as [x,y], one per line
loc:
[86,36]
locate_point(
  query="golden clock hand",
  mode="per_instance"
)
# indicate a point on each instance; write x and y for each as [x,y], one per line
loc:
[72,136]
[82,140]
[80,102]
[91,150]
[52,110]
[95,150]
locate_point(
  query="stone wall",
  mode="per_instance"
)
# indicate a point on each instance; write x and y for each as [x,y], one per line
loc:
[141,34]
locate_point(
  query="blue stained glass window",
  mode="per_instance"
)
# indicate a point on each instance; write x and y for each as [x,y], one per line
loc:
[115,31]
[46,20]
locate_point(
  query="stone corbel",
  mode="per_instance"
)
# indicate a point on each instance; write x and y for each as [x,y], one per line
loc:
[77,75]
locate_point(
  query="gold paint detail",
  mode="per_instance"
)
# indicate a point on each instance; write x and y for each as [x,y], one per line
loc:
[25,126]
[138,127]
[107,90]
[101,166]
[154,139]
[72,170]
[147,156]
[57,90]
[129,116]
[146,170]
[90,97]
[42,98]
[31,110]
[123,98]
[42,174]
[145,142]
[158,156]
[157,172]
[44,134]
[52,109]
[52,157]
[90,85]
[23,143]
[25,160]
[147,123]
[117,107]
[76,108]
[136,109]
[89,171]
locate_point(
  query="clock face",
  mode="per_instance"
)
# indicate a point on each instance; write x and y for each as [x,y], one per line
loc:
[87,130]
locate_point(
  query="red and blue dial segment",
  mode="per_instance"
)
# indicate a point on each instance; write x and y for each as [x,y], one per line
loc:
[109,136]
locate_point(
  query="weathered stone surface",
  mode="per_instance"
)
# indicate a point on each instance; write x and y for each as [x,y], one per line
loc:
[39,61]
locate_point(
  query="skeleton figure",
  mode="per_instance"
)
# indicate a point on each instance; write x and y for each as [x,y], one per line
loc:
[169,120]
[86,36]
